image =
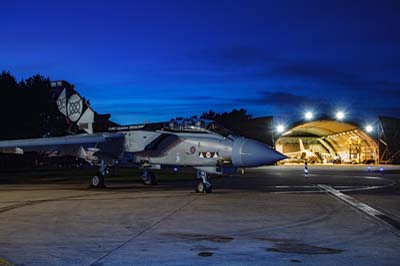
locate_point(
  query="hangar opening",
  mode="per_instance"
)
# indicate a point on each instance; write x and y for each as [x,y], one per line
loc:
[327,141]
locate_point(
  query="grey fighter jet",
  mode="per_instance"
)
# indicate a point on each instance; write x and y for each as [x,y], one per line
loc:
[202,144]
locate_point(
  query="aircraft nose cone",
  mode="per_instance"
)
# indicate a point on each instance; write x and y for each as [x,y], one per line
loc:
[252,153]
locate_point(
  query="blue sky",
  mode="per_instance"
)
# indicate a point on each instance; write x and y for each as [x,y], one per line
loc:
[154,60]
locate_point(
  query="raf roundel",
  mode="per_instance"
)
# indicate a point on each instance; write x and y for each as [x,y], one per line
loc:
[192,149]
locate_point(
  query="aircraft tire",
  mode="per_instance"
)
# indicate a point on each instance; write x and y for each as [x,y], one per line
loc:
[203,188]
[151,179]
[97,181]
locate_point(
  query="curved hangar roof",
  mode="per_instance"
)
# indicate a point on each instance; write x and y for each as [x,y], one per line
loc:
[321,128]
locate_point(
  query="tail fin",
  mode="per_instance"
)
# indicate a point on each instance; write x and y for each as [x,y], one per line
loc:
[301,145]
[76,109]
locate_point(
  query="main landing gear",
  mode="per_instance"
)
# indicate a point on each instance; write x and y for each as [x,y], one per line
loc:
[149,178]
[204,186]
[98,179]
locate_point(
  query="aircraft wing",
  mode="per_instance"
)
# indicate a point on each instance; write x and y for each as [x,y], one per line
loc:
[108,145]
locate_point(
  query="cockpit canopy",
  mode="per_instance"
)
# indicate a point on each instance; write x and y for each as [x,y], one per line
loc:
[198,125]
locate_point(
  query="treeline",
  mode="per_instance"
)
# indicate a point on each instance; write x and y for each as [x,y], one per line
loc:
[234,120]
[242,123]
[27,108]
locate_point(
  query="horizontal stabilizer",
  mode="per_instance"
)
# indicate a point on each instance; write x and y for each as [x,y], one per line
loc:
[106,143]
[15,150]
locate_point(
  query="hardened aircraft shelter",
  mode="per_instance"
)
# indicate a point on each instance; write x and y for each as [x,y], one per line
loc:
[334,141]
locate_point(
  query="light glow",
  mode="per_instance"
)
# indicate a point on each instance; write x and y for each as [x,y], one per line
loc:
[308,115]
[339,115]
[369,128]
[280,128]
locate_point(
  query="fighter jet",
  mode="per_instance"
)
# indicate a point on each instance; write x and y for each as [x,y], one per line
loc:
[202,144]
[311,154]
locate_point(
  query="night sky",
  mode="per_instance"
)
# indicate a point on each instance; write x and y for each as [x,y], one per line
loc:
[154,60]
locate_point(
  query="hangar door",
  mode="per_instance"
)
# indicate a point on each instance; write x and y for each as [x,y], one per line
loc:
[327,141]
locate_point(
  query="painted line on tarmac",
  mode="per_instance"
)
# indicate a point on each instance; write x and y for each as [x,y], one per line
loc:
[390,222]
[34,202]
[100,260]
[365,188]
[3,262]
[344,188]
[293,186]
[295,189]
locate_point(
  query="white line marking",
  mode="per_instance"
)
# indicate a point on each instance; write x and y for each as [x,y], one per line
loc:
[292,186]
[101,260]
[312,189]
[366,209]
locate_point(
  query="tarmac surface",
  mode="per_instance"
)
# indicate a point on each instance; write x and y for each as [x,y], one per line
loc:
[343,215]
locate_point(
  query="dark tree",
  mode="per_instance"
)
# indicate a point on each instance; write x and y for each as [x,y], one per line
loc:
[9,112]
[27,108]
[233,120]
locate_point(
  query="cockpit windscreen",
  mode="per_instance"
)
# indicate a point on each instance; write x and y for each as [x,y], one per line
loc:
[196,125]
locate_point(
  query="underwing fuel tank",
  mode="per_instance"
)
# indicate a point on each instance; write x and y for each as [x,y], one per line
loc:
[252,153]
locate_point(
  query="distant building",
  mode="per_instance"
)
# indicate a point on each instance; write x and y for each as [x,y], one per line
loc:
[389,140]
[260,128]
[59,85]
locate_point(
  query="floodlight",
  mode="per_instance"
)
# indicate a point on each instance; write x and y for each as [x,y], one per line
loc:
[339,115]
[308,115]
[280,128]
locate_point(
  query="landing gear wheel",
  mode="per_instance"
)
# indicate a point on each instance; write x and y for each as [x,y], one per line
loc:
[149,178]
[203,187]
[97,181]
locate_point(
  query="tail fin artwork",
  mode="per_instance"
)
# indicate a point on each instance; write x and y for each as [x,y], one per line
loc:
[76,109]
[62,102]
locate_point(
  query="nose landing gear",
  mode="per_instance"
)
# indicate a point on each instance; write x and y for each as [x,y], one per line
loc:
[204,186]
[149,178]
